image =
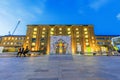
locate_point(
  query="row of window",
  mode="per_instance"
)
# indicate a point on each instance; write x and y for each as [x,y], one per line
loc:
[12,43]
[68,29]
[14,38]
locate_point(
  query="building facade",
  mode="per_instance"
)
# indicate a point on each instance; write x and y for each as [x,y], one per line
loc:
[81,38]
[11,43]
[104,41]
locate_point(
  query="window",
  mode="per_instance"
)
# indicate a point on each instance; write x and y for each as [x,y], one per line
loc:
[60,28]
[44,28]
[77,29]
[33,44]
[86,32]
[35,29]
[33,39]
[68,29]
[52,29]
[34,32]
[85,29]
[86,36]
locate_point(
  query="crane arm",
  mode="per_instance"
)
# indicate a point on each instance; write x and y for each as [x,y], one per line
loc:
[16,27]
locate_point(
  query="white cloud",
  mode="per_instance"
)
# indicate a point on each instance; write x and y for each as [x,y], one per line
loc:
[118,16]
[97,4]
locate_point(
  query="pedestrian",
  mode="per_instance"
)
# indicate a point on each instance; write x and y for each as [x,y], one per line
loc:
[22,52]
[19,52]
[25,51]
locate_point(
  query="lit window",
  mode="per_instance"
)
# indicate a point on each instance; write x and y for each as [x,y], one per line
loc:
[33,44]
[5,38]
[60,28]
[60,32]
[42,43]
[86,36]
[76,28]
[11,43]
[33,49]
[44,29]
[77,32]
[34,32]
[86,40]
[93,44]
[78,43]
[52,29]
[16,38]
[68,29]
[4,43]
[35,29]
[85,29]
[69,32]
[9,38]
[87,44]
[27,41]
[12,38]
[92,37]
[93,41]
[27,37]
[43,32]
[43,35]
[86,32]
[77,36]
[34,36]
[51,32]
[7,42]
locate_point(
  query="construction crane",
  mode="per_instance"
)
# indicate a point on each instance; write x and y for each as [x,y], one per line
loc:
[15,28]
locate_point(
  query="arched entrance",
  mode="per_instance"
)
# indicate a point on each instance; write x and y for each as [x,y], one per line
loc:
[60,45]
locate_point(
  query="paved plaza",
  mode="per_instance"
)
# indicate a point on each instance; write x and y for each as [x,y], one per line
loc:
[60,67]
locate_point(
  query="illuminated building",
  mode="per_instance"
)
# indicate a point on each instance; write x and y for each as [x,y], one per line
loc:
[12,43]
[103,41]
[81,38]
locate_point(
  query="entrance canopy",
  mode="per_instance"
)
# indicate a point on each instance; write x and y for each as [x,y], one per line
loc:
[60,45]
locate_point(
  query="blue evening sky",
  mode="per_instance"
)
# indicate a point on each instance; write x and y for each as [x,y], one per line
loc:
[103,14]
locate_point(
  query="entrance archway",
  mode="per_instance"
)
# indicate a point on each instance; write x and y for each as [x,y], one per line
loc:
[60,45]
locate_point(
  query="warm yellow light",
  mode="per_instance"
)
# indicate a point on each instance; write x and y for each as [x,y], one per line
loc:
[86,32]
[35,29]
[34,36]
[9,38]
[93,44]
[77,36]
[52,29]
[92,37]
[69,32]
[43,35]
[76,28]
[16,38]
[60,32]
[42,43]
[43,32]
[93,41]
[44,29]
[86,40]
[11,43]
[33,49]
[85,29]
[68,29]
[51,32]
[77,32]
[27,41]
[4,43]
[87,44]
[33,44]
[60,28]
[5,38]
[34,32]
[27,37]
[86,36]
